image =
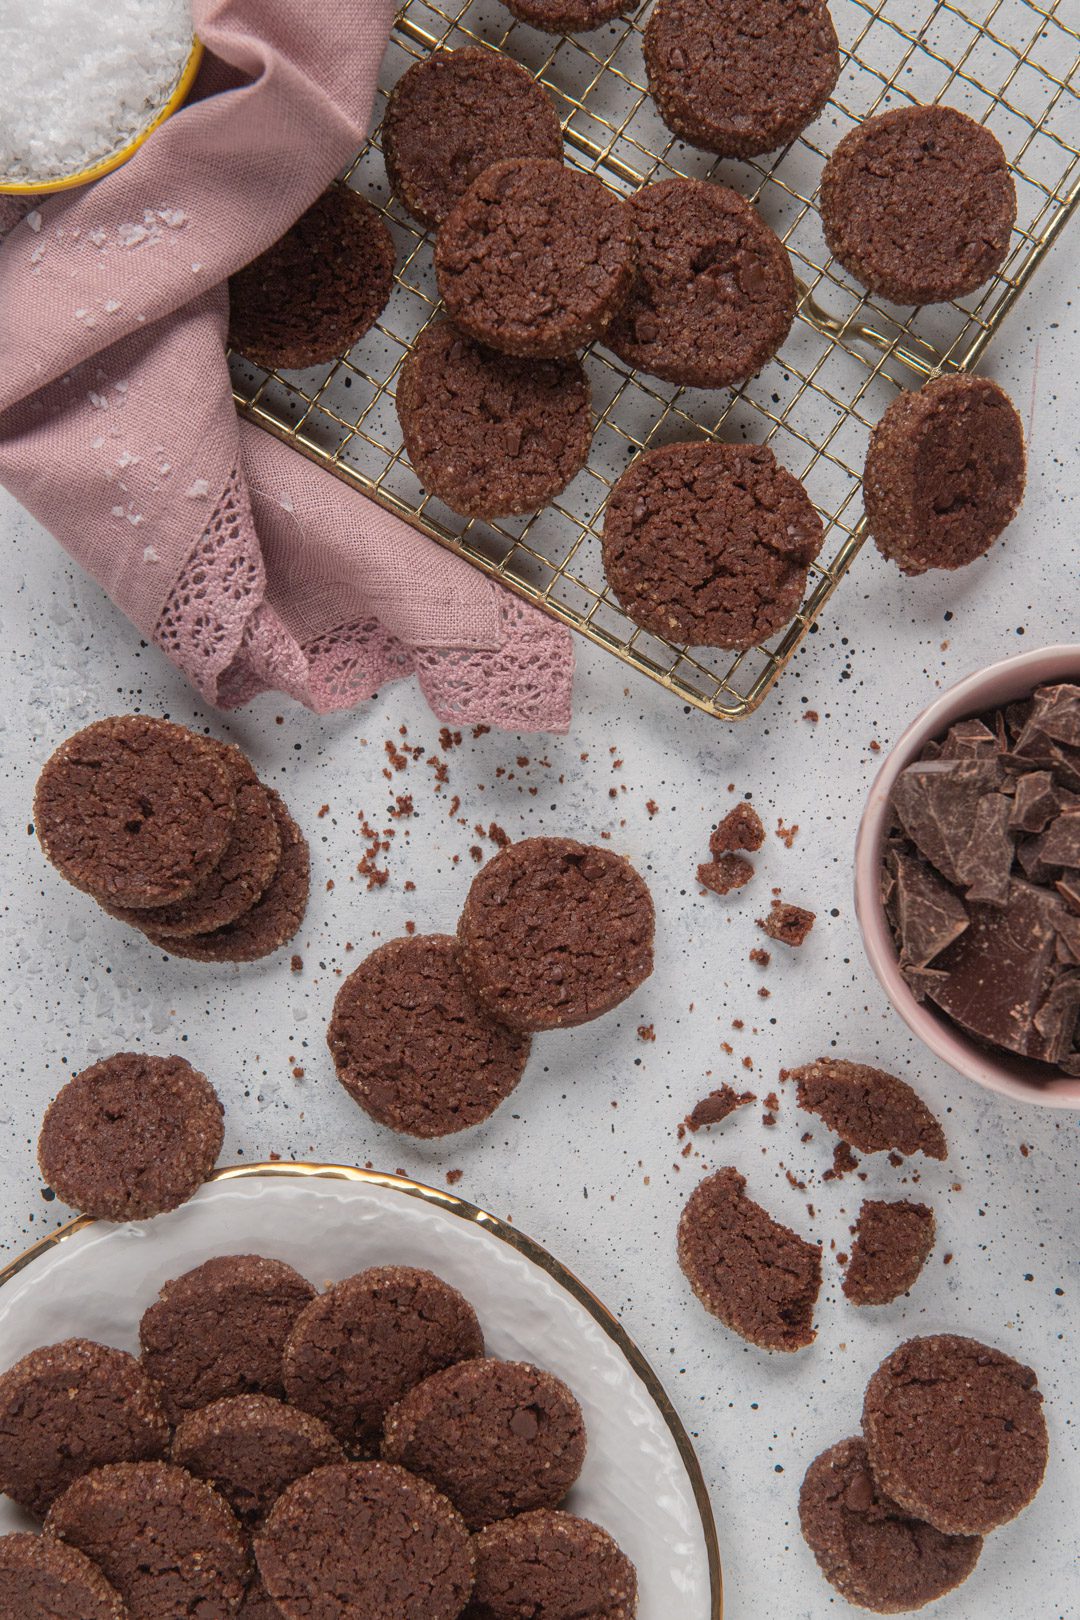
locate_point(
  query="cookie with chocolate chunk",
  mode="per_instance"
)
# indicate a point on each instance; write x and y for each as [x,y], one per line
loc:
[891,1245]
[554,1565]
[41,1579]
[250,1447]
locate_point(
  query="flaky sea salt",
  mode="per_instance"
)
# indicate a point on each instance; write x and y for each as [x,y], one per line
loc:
[150,555]
[198,491]
[33,219]
[81,81]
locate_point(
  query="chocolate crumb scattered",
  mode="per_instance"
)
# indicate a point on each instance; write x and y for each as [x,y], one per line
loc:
[297,964]
[760,956]
[717,1106]
[453,1176]
[741,828]
[787,923]
[726,873]
[646,1032]
[772,1102]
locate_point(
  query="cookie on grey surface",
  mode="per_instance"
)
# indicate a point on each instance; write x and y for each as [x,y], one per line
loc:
[250,1447]
[497,1437]
[870,1109]
[451,116]
[66,1408]
[365,1541]
[740,77]
[489,434]
[555,933]
[536,258]
[42,1579]
[761,1279]
[131,1136]
[413,1045]
[918,203]
[361,1346]
[135,811]
[551,1565]
[710,544]
[567,16]
[220,1329]
[168,1543]
[956,1433]
[714,295]
[944,474]
[892,1243]
[867,1547]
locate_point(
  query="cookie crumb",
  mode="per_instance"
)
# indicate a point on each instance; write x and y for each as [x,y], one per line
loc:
[727,872]
[787,923]
[741,828]
[296,965]
[717,1106]
[453,1176]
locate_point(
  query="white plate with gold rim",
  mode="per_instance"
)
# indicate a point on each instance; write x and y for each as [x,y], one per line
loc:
[641,1479]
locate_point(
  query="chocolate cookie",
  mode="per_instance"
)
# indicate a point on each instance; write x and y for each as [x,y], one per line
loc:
[535,258]
[740,77]
[944,473]
[555,933]
[272,920]
[551,1565]
[168,1543]
[250,1447]
[220,1330]
[258,1604]
[452,116]
[135,811]
[364,1541]
[67,1408]
[741,828]
[955,1433]
[567,16]
[132,1136]
[414,1047]
[496,1437]
[759,1278]
[313,294]
[874,1553]
[918,203]
[361,1346]
[490,435]
[871,1110]
[251,858]
[891,1246]
[41,1579]
[714,296]
[709,544]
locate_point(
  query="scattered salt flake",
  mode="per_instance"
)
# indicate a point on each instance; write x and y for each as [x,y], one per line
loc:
[98,401]
[286,504]
[38,254]
[198,491]
[96,444]
[126,459]
[131,235]
[150,555]
[196,267]
[98,236]
[118,511]
[121,386]
[135,518]
[81,314]
[165,469]
[33,219]
[111,305]
[172,216]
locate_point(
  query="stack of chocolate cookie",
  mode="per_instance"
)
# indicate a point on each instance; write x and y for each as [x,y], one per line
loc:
[175,835]
[431,1033]
[231,1470]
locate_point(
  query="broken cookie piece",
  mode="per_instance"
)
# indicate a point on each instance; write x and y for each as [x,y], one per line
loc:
[725,873]
[868,1108]
[891,1246]
[788,924]
[741,828]
[717,1106]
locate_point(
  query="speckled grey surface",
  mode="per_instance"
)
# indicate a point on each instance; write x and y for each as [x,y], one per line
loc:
[585,1156]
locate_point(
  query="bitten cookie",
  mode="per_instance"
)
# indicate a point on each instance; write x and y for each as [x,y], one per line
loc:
[41,1579]
[552,1565]
[67,1408]
[759,1278]
[496,1437]
[220,1330]
[555,933]
[891,1245]
[135,811]
[944,473]
[361,1346]
[740,77]
[132,1136]
[567,16]
[874,1553]
[389,1541]
[414,1047]
[490,435]
[955,1433]
[168,1543]
[918,203]
[714,296]
[250,1447]
[313,294]
[452,116]
[709,544]
[870,1109]
[535,258]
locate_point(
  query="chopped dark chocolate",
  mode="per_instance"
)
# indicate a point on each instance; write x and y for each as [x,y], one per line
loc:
[935,801]
[968,739]
[929,915]
[1061,841]
[1035,803]
[987,861]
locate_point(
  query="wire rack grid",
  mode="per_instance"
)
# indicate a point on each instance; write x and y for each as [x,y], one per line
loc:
[1012,64]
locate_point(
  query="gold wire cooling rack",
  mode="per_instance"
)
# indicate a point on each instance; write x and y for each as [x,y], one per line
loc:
[1012,64]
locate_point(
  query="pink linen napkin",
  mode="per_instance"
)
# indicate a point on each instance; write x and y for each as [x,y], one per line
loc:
[249,566]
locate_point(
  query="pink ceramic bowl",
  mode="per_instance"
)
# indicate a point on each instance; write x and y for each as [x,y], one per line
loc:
[1001,683]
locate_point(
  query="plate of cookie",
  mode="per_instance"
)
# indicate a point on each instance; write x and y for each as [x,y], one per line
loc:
[512,1335]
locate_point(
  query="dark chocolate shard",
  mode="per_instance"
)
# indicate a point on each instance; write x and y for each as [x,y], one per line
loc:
[1070,1063]
[921,980]
[1068,929]
[929,915]
[1055,1021]
[1057,712]
[935,801]
[987,861]
[969,739]
[1036,802]
[1069,889]
[1061,841]
[1029,853]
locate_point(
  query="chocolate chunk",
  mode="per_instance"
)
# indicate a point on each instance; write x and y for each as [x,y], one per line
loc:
[987,861]
[928,914]
[968,739]
[1055,1021]
[1061,842]
[1035,802]
[1056,712]
[935,802]
[892,1242]
[717,1106]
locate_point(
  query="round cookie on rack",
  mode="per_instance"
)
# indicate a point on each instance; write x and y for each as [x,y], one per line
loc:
[551,1564]
[944,473]
[567,16]
[314,293]
[555,933]
[454,114]
[740,77]
[414,1047]
[715,294]
[535,258]
[709,544]
[40,1577]
[488,434]
[918,203]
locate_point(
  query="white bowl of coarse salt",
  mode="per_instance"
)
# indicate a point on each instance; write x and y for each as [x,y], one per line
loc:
[85,83]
